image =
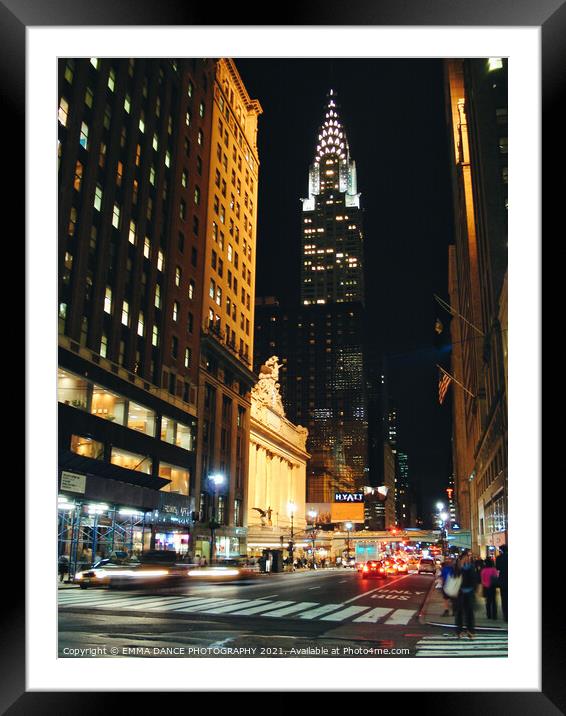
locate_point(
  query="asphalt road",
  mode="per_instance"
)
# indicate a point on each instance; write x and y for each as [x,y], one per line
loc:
[330,613]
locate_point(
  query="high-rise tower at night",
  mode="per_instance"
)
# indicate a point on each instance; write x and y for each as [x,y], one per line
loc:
[322,341]
[332,255]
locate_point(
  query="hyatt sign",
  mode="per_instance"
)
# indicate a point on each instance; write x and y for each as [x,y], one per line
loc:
[348,497]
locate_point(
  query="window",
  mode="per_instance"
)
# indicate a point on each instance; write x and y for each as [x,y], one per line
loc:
[174,347]
[155,143]
[142,122]
[201,109]
[146,247]
[131,461]
[63,113]
[191,289]
[87,447]
[140,324]
[127,103]
[157,300]
[141,419]
[78,176]
[187,361]
[200,136]
[132,233]
[125,312]
[160,260]
[167,158]
[197,195]
[184,178]
[111,80]
[155,336]
[182,210]
[108,405]
[178,274]
[83,140]
[69,71]
[108,300]
[72,390]
[179,478]
[116,216]
[89,97]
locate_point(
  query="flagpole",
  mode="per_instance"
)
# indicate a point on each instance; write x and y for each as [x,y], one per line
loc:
[456,381]
[453,312]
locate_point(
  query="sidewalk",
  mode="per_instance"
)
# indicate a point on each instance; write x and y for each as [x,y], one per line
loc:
[433,610]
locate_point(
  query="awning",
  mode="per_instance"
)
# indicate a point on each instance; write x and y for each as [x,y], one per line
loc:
[79,463]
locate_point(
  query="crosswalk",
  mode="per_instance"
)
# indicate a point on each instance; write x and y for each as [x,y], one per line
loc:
[448,645]
[268,608]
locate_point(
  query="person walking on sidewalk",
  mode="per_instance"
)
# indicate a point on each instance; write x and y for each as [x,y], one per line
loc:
[464,568]
[489,578]
[501,566]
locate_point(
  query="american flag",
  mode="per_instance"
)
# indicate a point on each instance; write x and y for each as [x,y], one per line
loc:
[444,381]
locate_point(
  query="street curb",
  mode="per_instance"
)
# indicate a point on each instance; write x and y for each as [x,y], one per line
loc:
[423,608]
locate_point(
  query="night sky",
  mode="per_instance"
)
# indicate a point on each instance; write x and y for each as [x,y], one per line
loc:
[394,117]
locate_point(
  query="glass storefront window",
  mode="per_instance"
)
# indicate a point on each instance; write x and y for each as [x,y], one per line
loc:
[131,461]
[87,447]
[141,419]
[72,390]
[107,405]
[176,433]
[179,477]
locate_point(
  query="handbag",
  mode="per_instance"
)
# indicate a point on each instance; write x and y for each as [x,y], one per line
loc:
[452,585]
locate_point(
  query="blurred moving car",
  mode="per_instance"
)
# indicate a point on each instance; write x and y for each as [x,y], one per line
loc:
[359,566]
[374,568]
[349,562]
[390,566]
[427,566]
[402,567]
[154,567]
[221,573]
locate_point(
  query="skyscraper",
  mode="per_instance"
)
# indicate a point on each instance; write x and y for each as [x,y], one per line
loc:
[321,342]
[332,237]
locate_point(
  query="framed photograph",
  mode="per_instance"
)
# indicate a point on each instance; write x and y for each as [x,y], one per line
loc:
[377,77]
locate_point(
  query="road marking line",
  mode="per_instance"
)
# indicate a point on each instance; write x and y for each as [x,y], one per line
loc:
[300,607]
[310,588]
[401,616]
[324,609]
[374,615]
[371,591]
[261,608]
[344,614]
[202,605]
[227,606]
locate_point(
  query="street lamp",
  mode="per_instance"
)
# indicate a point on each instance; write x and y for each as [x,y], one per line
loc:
[217,479]
[348,527]
[292,507]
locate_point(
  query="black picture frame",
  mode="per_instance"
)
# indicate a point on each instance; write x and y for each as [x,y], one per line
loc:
[549,15]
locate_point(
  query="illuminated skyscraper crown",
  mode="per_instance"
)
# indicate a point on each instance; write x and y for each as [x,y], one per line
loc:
[331,135]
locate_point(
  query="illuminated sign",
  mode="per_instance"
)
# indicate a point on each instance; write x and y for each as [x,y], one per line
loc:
[348,497]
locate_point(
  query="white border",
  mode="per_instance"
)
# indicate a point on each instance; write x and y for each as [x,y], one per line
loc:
[521,671]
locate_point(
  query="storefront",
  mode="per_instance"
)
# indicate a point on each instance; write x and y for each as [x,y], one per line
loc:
[171,523]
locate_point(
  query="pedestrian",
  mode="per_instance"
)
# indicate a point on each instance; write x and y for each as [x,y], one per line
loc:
[63,567]
[501,566]
[447,570]
[464,568]
[488,577]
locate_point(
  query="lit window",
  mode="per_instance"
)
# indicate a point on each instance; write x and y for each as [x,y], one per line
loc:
[494,63]
[83,140]
[69,71]
[89,97]
[140,324]
[201,109]
[127,104]
[167,158]
[125,312]
[191,289]
[155,143]
[177,276]
[103,345]
[63,111]
[78,176]
[98,197]
[95,62]
[116,216]
[157,301]
[175,310]
[146,247]
[142,122]
[160,260]
[111,80]
[155,336]
[108,300]
[152,176]
[132,233]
